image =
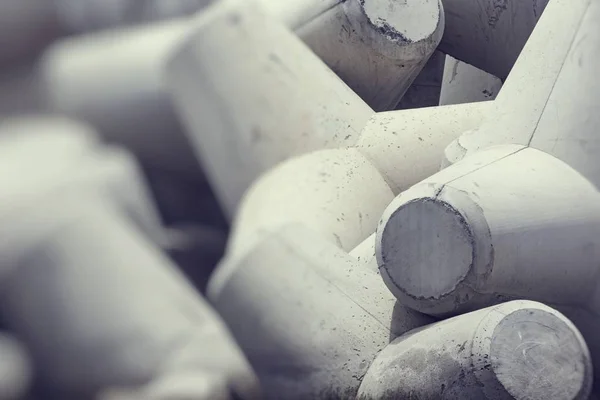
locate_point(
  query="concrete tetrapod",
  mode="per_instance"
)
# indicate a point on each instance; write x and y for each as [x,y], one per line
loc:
[342,315]
[507,222]
[344,320]
[238,127]
[341,193]
[128,100]
[99,306]
[536,106]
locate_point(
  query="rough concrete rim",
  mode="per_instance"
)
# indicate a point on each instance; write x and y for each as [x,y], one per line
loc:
[408,25]
[515,338]
[415,225]
[554,346]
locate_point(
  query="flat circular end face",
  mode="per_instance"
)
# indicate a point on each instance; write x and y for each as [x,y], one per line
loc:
[426,248]
[536,355]
[406,21]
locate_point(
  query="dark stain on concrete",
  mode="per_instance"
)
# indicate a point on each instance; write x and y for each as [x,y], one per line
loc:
[383,27]
[497,9]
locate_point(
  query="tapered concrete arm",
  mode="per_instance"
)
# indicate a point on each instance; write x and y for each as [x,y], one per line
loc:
[99,306]
[516,350]
[536,106]
[377,47]
[309,321]
[341,193]
[126,99]
[405,146]
[490,34]
[238,127]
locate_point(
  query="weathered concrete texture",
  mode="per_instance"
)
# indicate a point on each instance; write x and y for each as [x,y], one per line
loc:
[237,126]
[463,83]
[127,99]
[365,254]
[15,368]
[113,80]
[309,321]
[99,306]
[507,222]
[537,106]
[517,350]
[377,47]
[406,146]
[336,192]
[490,34]
[341,193]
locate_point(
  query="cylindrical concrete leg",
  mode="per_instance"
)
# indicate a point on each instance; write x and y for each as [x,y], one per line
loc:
[519,350]
[536,101]
[377,47]
[309,320]
[251,95]
[507,222]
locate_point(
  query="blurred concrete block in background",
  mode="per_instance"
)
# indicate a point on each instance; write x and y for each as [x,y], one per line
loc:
[99,306]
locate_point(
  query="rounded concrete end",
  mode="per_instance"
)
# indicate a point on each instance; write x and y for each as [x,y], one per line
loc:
[426,248]
[532,353]
[429,245]
[404,21]
[401,30]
